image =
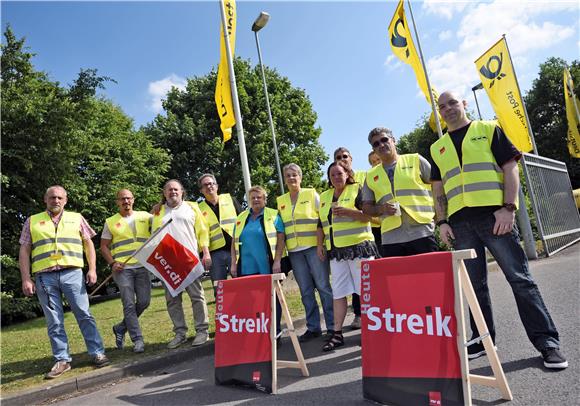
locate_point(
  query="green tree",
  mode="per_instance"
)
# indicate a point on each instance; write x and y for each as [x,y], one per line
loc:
[69,136]
[547,112]
[190,131]
[418,140]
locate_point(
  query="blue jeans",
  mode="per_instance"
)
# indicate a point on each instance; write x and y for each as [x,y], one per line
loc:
[50,286]
[477,233]
[135,288]
[221,260]
[310,272]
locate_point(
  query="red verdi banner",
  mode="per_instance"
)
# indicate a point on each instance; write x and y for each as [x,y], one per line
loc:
[243,348]
[409,331]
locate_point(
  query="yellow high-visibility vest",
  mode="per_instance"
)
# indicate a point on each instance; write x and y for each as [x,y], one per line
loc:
[270,229]
[56,246]
[299,223]
[224,223]
[124,243]
[479,180]
[345,231]
[413,195]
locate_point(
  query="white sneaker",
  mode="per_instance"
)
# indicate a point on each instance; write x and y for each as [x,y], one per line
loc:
[200,338]
[139,346]
[356,324]
[176,342]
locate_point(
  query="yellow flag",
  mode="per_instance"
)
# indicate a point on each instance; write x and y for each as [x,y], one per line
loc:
[223,91]
[573,115]
[499,80]
[403,47]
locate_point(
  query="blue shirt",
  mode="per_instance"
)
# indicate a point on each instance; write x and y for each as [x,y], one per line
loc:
[254,245]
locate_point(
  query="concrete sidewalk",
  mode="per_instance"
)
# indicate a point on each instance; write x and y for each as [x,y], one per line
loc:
[568,260]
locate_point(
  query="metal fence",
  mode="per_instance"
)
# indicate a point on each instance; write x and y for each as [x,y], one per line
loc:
[554,207]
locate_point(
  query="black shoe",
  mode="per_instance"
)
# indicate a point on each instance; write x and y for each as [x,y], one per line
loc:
[309,335]
[554,359]
[476,350]
[328,335]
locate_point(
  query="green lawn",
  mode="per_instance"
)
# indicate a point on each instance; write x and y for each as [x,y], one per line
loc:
[26,354]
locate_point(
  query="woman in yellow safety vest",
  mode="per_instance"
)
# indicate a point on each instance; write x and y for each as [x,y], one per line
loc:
[299,211]
[348,241]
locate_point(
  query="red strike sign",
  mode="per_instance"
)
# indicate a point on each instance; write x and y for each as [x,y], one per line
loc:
[243,321]
[409,323]
[172,260]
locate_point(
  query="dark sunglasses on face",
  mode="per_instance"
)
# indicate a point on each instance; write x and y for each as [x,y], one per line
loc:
[383,140]
[343,156]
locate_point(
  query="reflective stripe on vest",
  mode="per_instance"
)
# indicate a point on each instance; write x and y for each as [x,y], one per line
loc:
[479,181]
[124,243]
[299,222]
[225,223]
[411,192]
[345,230]
[51,247]
[270,230]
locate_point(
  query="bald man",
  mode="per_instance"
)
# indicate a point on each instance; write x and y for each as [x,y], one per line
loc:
[123,234]
[475,180]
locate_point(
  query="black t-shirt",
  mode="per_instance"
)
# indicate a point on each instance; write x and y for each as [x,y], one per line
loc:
[503,151]
[216,210]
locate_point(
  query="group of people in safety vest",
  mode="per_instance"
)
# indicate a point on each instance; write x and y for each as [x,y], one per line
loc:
[468,189]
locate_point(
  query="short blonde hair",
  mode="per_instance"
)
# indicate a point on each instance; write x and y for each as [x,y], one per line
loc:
[258,189]
[292,166]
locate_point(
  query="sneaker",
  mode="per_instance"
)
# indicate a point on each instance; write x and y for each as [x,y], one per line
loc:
[355,325]
[476,350]
[101,360]
[139,346]
[554,359]
[57,370]
[200,338]
[309,335]
[119,336]
[176,342]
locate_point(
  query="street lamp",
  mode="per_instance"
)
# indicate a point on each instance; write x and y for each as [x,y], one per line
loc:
[260,23]
[473,89]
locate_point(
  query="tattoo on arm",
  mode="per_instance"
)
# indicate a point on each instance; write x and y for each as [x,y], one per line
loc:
[441,207]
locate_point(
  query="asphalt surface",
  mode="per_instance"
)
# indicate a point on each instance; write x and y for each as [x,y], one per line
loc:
[187,376]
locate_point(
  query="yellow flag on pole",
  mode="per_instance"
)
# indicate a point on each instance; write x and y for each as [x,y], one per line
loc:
[223,91]
[499,80]
[403,47]
[572,114]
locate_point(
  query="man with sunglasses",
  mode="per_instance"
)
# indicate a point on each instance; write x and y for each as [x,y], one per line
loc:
[220,212]
[475,181]
[399,193]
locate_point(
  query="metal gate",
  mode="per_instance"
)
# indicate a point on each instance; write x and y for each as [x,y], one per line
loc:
[554,207]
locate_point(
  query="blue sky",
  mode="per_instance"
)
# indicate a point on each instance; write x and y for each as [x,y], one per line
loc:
[336,51]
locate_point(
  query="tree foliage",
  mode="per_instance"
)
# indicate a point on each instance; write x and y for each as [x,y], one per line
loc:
[547,112]
[57,135]
[190,131]
[418,140]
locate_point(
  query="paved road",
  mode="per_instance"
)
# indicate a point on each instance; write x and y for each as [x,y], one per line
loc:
[336,378]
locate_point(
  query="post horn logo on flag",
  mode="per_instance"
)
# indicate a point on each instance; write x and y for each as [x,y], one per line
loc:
[490,72]
[398,40]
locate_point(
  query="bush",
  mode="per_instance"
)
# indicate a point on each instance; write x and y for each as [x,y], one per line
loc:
[15,306]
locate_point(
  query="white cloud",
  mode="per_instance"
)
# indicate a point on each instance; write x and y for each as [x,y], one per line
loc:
[445,35]
[527,27]
[158,90]
[392,62]
[444,8]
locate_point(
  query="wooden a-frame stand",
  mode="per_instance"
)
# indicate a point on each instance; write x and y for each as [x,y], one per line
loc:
[463,287]
[300,363]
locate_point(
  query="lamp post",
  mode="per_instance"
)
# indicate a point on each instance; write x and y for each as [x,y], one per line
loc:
[473,89]
[260,23]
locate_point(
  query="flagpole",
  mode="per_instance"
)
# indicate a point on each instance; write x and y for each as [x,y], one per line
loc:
[433,107]
[572,94]
[108,278]
[236,103]
[530,132]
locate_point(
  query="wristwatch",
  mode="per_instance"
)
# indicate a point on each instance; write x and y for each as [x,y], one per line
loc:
[441,222]
[510,207]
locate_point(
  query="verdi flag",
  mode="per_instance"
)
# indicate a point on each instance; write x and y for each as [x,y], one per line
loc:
[403,47]
[223,91]
[499,80]
[572,114]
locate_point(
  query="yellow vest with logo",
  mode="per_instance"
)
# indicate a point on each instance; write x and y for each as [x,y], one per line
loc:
[124,243]
[300,223]
[56,246]
[200,225]
[413,195]
[270,229]
[479,180]
[225,222]
[345,231]
[359,177]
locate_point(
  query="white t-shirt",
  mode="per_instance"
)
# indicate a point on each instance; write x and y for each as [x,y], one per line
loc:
[183,217]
